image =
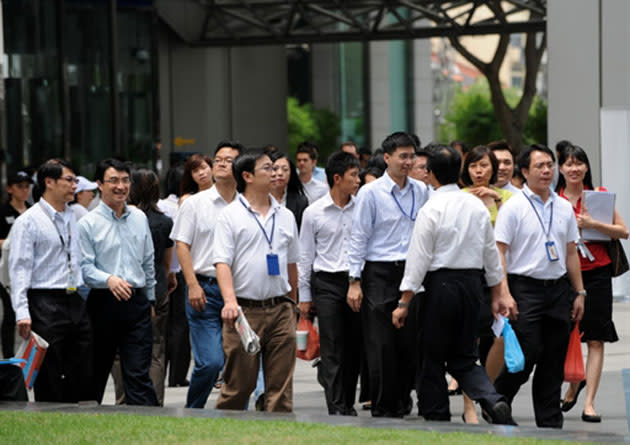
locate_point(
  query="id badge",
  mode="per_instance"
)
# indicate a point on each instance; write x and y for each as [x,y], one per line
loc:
[72,282]
[273,264]
[552,252]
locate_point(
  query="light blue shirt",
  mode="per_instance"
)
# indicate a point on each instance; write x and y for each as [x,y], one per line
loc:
[381,225]
[320,174]
[117,246]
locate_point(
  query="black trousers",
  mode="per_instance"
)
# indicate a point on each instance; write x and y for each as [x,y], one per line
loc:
[62,320]
[7,331]
[12,384]
[124,326]
[340,341]
[389,351]
[449,342]
[177,335]
[542,329]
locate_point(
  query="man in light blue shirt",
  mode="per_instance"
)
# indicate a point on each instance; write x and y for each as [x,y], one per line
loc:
[118,265]
[382,224]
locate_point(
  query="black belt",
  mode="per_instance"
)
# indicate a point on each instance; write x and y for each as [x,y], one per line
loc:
[332,275]
[398,263]
[269,302]
[50,292]
[205,278]
[537,282]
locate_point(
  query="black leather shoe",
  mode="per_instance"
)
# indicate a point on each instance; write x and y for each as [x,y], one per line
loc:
[566,406]
[500,414]
[591,418]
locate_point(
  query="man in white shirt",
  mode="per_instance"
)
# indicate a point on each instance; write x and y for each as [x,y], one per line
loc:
[193,232]
[44,264]
[382,224]
[505,157]
[306,161]
[450,223]
[323,279]
[536,234]
[255,255]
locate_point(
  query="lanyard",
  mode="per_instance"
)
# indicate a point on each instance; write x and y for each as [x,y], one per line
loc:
[413,204]
[63,243]
[273,224]
[546,232]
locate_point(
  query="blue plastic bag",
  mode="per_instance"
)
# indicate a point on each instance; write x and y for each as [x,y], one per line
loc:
[513,354]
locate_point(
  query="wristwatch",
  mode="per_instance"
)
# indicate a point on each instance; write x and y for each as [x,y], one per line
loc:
[403,305]
[582,293]
[352,279]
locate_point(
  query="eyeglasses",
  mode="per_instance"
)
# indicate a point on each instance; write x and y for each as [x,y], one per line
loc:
[116,181]
[227,161]
[71,179]
[268,168]
[407,156]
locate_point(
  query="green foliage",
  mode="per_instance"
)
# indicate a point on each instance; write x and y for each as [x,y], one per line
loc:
[471,117]
[306,123]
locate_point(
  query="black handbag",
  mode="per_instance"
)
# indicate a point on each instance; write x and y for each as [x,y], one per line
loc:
[619,260]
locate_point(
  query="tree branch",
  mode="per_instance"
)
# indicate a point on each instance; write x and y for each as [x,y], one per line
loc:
[477,63]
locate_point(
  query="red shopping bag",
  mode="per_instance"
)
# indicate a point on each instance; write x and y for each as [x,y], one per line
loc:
[574,363]
[312,346]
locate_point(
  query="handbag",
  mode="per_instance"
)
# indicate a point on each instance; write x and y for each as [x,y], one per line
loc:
[512,353]
[574,363]
[618,258]
[312,346]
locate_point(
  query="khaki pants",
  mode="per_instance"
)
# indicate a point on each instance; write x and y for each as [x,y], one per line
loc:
[276,328]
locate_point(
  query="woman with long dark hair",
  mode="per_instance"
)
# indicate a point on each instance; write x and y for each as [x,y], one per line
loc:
[197,176]
[144,194]
[286,187]
[597,325]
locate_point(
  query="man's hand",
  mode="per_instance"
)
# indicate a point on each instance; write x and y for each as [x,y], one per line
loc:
[197,297]
[398,317]
[229,313]
[172,282]
[578,308]
[355,296]
[502,302]
[24,328]
[119,287]
[305,308]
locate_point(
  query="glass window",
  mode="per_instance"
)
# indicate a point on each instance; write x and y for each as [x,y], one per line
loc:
[351,62]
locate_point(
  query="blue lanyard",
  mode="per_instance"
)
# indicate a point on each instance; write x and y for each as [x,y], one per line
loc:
[413,204]
[546,232]
[273,224]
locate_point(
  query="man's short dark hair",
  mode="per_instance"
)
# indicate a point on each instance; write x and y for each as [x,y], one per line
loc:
[526,155]
[246,162]
[338,163]
[416,140]
[465,148]
[396,140]
[445,163]
[501,145]
[116,164]
[236,145]
[53,169]
[476,155]
[310,148]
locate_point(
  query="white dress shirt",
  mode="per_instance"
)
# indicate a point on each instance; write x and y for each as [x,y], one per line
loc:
[511,188]
[518,226]
[240,243]
[195,225]
[314,189]
[38,259]
[453,231]
[324,240]
[169,206]
[381,228]
[79,210]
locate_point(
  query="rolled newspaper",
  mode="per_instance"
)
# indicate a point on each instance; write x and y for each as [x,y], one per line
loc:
[250,340]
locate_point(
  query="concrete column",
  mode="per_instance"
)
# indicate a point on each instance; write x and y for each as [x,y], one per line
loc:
[422,91]
[325,63]
[380,113]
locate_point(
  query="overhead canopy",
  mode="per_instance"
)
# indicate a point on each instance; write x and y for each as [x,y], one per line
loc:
[261,22]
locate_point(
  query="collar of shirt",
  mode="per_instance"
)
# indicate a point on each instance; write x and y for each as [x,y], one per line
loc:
[108,211]
[536,198]
[447,188]
[52,212]
[393,187]
[328,202]
[274,207]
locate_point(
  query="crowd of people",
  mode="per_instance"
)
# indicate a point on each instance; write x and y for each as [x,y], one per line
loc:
[407,256]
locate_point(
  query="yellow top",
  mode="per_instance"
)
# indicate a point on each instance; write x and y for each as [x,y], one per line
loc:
[493,209]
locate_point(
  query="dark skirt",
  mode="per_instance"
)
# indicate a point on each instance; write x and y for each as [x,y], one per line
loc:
[597,323]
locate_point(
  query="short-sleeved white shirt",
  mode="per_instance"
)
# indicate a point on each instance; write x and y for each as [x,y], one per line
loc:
[240,243]
[195,225]
[518,226]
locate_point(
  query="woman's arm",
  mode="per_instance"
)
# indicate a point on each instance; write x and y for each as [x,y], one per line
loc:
[616,230]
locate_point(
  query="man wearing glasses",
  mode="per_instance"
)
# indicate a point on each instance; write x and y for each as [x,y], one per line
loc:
[193,232]
[45,274]
[118,265]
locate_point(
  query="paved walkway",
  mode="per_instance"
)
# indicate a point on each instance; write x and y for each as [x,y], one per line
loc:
[310,405]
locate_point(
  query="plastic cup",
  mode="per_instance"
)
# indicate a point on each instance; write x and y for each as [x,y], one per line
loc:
[302,340]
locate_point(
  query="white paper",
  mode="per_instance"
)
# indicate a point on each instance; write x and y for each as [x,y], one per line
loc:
[497,327]
[601,207]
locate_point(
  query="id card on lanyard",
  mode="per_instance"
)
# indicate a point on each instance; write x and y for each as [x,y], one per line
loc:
[273,263]
[550,245]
